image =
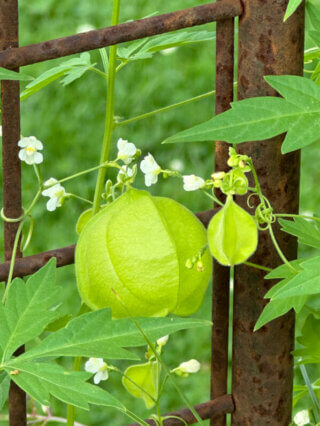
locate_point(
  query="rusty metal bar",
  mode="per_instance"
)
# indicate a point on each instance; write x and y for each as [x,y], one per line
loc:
[221,274]
[262,364]
[223,404]
[128,31]
[65,256]
[10,97]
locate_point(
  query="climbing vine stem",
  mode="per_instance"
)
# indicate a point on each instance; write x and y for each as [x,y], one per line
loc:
[109,122]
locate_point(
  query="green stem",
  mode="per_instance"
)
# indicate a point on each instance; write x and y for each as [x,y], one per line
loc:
[312,394]
[166,369]
[277,247]
[214,198]
[317,219]
[164,109]
[99,72]
[71,408]
[133,416]
[13,258]
[109,123]
[38,174]
[255,265]
[80,198]
[84,172]
[33,202]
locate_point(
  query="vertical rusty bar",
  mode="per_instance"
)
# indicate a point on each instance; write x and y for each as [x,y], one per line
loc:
[11,170]
[221,275]
[262,364]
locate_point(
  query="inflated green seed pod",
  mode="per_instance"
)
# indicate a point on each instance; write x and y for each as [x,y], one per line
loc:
[232,234]
[146,376]
[134,251]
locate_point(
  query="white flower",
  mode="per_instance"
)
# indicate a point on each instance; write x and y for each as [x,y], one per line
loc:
[29,150]
[55,193]
[84,28]
[126,151]
[125,173]
[192,366]
[163,340]
[126,170]
[0,131]
[302,418]
[192,182]
[99,368]
[176,164]
[151,169]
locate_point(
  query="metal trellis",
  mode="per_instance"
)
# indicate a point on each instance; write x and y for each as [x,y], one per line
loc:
[262,366]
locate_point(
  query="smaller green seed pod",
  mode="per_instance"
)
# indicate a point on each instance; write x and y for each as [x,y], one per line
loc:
[232,234]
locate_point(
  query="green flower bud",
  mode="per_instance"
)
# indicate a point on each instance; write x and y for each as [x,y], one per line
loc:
[232,234]
[133,253]
[235,182]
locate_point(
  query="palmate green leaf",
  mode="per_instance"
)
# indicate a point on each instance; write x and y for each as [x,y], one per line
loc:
[146,48]
[55,73]
[308,232]
[12,75]
[310,338]
[305,283]
[40,380]
[95,334]
[311,54]
[278,307]
[4,388]
[315,35]
[298,114]
[313,12]
[28,309]
[291,8]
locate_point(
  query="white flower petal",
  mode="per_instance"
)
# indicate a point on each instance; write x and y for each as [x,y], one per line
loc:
[52,204]
[24,142]
[121,144]
[101,375]
[163,340]
[192,182]
[302,418]
[149,164]
[93,365]
[37,158]
[191,366]
[150,179]
[50,181]
[22,154]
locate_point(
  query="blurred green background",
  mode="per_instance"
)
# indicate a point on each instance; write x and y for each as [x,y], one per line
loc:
[70,122]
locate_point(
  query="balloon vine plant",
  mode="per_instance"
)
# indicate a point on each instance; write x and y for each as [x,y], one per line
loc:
[142,262]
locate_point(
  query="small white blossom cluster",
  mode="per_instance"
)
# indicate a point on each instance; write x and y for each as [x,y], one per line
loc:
[126,151]
[55,192]
[151,170]
[29,152]
[97,367]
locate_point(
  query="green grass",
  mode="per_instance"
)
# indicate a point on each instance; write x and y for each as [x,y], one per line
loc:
[70,122]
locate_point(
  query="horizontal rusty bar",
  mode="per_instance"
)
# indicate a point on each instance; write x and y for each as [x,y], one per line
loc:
[31,264]
[65,256]
[134,30]
[222,405]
